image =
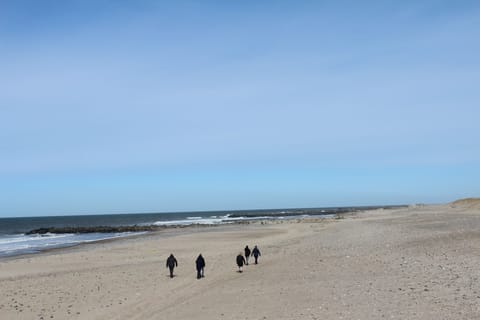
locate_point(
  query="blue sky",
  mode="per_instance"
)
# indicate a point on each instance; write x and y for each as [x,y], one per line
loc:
[151,106]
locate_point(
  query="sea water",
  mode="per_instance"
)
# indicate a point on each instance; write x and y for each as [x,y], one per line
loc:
[14,241]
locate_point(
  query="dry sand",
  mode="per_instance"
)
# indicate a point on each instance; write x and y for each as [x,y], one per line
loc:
[414,263]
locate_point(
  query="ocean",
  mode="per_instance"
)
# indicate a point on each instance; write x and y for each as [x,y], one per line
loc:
[15,241]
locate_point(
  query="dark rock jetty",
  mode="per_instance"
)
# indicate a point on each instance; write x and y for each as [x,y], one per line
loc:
[98,229]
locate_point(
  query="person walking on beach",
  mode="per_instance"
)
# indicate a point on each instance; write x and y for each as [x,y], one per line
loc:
[256,254]
[247,254]
[240,262]
[171,264]
[200,263]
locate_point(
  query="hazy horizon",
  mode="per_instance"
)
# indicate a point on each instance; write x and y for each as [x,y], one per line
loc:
[214,211]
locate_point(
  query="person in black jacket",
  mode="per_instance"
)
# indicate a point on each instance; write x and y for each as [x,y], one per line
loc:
[247,254]
[200,263]
[171,263]
[240,262]
[256,254]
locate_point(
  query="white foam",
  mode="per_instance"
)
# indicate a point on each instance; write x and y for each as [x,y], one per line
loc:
[210,220]
[16,244]
[192,220]
[36,237]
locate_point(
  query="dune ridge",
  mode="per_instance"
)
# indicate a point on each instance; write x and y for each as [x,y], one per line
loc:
[466,203]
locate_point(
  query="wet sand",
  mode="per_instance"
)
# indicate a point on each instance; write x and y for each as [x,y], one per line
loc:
[413,263]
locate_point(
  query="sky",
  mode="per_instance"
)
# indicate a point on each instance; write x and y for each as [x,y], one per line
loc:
[161,106]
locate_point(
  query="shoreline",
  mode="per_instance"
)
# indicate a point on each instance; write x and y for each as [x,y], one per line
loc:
[48,233]
[153,230]
[162,231]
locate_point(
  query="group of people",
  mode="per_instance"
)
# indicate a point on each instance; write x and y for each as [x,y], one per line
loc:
[200,262]
[241,260]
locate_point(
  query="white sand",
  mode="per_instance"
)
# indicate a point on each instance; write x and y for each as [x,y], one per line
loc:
[416,263]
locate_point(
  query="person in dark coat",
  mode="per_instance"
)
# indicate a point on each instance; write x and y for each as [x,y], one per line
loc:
[256,254]
[240,262]
[200,263]
[171,263]
[247,254]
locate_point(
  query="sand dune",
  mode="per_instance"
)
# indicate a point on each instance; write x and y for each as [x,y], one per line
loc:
[468,203]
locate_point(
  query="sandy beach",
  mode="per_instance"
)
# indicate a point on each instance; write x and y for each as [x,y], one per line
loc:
[420,262]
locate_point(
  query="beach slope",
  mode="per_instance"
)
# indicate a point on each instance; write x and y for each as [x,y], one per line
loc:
[411,263]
